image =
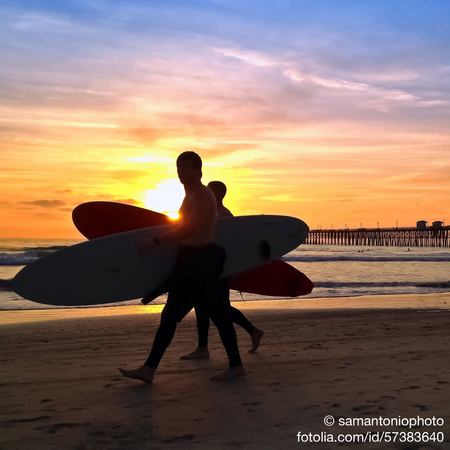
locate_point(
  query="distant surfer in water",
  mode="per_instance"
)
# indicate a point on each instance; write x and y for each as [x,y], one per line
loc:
[219,190]
[195,278]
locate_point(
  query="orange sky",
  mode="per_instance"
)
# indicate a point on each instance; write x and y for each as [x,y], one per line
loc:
[334,137]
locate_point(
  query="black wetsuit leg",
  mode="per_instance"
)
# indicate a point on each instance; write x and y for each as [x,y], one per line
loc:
[163,336]
[179,303]
[212,300]
[227,333]
[202,326]
[219,312]
[238,318]
[195,282]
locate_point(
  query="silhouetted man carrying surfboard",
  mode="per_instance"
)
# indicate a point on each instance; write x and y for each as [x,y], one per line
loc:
[195,279]
[219,190]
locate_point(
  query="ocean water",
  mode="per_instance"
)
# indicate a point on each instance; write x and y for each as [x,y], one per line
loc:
[337,271]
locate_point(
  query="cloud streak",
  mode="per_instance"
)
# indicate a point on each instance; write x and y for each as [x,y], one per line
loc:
[298,104]
[51,204]
[291,70]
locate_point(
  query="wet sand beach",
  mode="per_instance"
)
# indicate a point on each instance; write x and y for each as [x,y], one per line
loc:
[378,357]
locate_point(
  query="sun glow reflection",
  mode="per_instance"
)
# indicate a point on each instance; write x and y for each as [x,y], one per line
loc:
[173,215]
[167,198]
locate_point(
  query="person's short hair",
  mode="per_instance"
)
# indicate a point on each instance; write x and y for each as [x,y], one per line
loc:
[218,188]
[191,157]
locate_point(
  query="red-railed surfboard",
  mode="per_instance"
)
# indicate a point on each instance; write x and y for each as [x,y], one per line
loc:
[276,278]
[98,219]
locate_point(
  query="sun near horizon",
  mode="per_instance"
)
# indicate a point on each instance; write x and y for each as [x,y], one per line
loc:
[344,200]
[166,198]
[283,104]
[173,215]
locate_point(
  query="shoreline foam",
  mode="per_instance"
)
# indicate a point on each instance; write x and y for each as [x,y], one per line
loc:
[397,301]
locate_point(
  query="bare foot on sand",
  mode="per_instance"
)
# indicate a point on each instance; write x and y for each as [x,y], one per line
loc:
[199,353]
[256,339]
[230,373]
[144,374]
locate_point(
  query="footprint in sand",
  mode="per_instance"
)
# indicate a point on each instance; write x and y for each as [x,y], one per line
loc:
[421,407]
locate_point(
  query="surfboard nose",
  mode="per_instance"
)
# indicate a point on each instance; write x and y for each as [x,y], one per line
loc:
[293,227]
[299,232]
[287,234]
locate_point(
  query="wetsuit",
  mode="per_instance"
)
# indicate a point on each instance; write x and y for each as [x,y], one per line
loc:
[235,315]
[195,283]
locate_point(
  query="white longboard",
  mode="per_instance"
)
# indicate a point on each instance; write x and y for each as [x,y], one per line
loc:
[109,269]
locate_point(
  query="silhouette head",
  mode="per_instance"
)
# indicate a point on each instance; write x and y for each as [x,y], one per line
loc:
[219,189]
[189,167]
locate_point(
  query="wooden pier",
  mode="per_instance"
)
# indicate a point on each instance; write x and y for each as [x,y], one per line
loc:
[393,237]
